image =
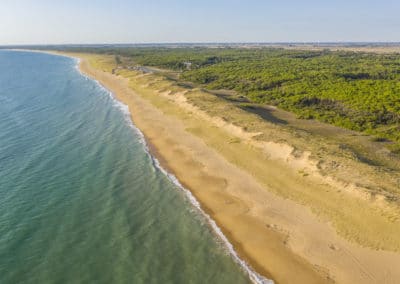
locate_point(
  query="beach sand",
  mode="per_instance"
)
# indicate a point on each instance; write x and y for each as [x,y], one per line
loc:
[285,223]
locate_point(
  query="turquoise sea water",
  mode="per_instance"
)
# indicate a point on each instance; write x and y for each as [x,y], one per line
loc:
[80,199]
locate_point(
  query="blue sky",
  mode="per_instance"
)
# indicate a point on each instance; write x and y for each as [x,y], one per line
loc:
[133,21]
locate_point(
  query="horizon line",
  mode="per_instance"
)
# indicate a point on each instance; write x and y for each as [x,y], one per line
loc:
[208,43]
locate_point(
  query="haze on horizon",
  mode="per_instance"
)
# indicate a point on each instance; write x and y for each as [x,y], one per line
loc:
[151,21]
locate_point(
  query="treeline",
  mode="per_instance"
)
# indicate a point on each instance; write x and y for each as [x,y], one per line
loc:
[359,91]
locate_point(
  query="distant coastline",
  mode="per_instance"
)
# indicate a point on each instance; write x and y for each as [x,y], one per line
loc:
[375,47]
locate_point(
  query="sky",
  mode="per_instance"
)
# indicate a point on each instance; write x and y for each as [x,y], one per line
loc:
[158,21]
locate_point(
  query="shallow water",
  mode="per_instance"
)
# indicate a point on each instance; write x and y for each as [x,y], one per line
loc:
[80,199]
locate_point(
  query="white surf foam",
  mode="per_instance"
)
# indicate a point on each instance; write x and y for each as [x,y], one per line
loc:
[254,276]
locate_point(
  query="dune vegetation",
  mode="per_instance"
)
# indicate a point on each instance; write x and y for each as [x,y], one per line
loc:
[355,90]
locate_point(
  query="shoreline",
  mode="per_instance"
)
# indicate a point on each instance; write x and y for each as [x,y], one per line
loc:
[162,166]
[249,266]
[244,220]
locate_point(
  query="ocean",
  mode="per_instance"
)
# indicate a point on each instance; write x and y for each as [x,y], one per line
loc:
[81,199]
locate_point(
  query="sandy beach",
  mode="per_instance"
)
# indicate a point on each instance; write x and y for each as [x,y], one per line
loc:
[289,222]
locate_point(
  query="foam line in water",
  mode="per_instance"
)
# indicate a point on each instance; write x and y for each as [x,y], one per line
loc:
[254,276]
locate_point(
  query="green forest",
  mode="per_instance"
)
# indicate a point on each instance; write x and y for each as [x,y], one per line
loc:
[358,91]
